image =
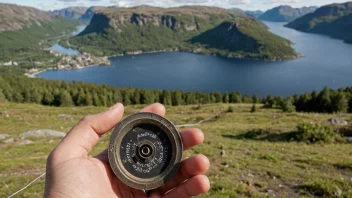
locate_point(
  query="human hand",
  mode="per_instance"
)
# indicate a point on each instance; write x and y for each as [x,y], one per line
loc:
[70,172]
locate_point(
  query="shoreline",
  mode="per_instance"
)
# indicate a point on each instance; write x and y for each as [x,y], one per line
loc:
[204,54]
[35,74]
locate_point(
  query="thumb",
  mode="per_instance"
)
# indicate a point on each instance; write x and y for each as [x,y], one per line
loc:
[80,140]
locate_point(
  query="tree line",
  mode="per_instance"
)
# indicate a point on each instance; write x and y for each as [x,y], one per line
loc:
[20,89]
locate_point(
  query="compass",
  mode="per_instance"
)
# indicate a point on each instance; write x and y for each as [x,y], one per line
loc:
[145,151]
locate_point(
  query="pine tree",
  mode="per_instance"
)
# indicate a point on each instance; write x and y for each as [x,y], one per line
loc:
[2,97]
[218,97]
[255,99]
[96,99]
[350,105]
[236,97]
[167,100]
[66,99]
[137,96]
[117,97]
[269,101]
[226,98]
[126,98]
[89,99]
[177,98]
[148,97]
[48,98]
[81,98]
[340,103]
[324,99]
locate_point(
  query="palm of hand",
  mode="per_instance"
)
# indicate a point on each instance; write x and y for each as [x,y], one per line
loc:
[71,173]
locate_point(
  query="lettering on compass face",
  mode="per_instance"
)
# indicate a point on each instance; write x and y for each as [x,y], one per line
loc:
[145,151]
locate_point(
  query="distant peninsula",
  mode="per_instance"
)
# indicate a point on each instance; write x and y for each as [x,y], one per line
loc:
[334,20]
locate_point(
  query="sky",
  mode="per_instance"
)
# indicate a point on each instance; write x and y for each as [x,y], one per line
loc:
[242,4]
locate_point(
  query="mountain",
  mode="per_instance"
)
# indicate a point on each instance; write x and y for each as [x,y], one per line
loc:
[88,15]
[247,35]
[238,12]
[13,17]
[254,14]
[285,13]
[333,20]
[24,31]
[145,29]
[72,13]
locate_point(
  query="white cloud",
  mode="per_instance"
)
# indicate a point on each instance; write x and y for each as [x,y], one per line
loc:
[281,1]
[238,2]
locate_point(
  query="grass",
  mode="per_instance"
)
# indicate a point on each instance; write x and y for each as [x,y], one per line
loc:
[252,167]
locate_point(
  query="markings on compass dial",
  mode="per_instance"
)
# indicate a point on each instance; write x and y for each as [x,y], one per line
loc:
[130,146]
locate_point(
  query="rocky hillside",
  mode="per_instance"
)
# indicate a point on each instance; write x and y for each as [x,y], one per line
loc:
[13,17]
[285,13]
[72,13]
[144,29]
[333,20]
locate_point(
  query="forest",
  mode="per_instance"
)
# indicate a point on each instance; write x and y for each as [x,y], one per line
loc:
[20,89]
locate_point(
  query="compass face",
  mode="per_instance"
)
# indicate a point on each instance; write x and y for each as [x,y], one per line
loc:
[145,151]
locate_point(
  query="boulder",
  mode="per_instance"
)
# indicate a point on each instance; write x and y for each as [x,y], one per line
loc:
[9,141]
[43,133]
[338,121]
[3,136]
[25,142]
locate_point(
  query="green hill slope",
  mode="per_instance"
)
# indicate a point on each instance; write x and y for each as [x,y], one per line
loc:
[25,32]
[260,160]
[145,29]
[333,20]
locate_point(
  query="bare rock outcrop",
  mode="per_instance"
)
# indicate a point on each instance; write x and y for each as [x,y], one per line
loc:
[43,133]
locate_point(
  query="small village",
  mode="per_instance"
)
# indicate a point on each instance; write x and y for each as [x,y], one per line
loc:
[79,61]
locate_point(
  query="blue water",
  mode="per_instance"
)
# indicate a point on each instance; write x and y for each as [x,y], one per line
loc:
[69,51]
[326,61]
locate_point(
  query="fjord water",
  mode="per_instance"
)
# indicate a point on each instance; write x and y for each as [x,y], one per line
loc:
[69,51]
[326,61]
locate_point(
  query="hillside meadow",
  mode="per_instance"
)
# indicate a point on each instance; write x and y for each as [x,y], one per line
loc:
[255,164]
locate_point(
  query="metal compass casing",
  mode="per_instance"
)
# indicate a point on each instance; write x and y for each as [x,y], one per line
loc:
[145,151]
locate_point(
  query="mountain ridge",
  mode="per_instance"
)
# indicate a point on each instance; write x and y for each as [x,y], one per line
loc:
[334,20]
[145,29]
[285,13]
[72,13]
[14,17]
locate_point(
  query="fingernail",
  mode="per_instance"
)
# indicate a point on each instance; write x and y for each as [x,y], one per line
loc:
[117,106]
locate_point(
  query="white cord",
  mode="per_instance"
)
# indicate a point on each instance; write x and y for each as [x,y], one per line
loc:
[42,175]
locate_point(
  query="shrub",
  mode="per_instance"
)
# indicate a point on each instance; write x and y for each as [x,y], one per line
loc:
[287,106]
[314,133]
[198,107]
[253,109]
[230,109]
